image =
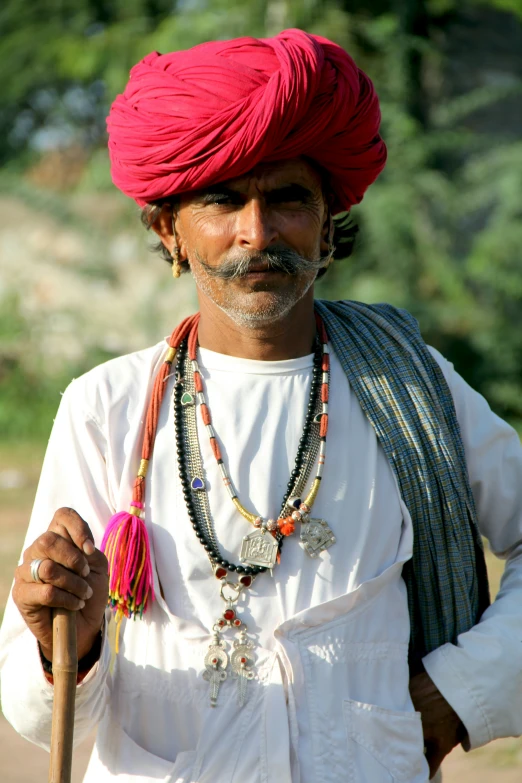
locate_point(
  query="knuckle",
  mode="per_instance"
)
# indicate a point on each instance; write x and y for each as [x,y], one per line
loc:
[76,561]
[48,539]
[47,570]
[27,555]
[48,595]
[68,517]
[16,593]
[63,513]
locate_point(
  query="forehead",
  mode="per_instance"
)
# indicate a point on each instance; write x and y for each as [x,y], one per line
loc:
[278,174]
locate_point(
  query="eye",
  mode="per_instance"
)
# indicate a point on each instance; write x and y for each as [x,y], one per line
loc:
[292,195]
[222,198]
[215,199]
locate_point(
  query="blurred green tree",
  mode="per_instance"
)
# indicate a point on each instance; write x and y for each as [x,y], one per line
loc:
[440,230]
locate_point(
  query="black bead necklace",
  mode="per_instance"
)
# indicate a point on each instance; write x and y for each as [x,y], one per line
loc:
[210,546]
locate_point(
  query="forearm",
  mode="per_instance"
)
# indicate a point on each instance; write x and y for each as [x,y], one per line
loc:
[481,676]
[27,694]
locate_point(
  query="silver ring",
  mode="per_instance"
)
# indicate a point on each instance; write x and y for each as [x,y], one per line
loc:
[35,565]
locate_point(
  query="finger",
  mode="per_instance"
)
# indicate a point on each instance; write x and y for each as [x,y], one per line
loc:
[67,523]
[35,596]
[53,573]
[55,547]
[98,563]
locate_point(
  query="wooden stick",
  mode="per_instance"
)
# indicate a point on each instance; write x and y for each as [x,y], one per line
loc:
[65,672]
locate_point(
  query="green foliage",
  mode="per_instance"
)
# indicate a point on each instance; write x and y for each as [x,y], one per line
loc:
[511,6]
[441,233]
[441,230]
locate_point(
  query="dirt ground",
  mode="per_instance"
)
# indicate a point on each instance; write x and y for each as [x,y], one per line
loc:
[22,762]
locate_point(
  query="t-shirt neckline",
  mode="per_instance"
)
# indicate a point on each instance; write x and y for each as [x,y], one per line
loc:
[211,360]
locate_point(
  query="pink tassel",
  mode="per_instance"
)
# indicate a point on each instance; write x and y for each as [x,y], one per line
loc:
[126,546]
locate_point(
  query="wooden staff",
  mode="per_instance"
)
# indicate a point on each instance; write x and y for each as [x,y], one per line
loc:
[65,673]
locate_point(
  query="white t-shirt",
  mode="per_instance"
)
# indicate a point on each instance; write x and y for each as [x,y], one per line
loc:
[330,695]
[258,411]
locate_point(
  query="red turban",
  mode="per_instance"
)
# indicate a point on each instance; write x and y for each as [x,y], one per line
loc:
[193,118]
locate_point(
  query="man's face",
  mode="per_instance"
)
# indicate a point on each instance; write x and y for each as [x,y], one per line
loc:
[231,233]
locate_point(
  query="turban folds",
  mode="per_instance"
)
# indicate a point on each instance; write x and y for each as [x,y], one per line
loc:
[193,118]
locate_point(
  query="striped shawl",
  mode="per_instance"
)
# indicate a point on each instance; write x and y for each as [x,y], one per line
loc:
[403,392]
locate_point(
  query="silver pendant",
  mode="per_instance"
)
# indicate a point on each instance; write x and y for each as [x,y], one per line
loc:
[259,549]
[241,661]
[316,536]
[242,657]
[216,662]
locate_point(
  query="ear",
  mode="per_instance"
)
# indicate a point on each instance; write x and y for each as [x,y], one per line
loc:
[327,230]
[165,226]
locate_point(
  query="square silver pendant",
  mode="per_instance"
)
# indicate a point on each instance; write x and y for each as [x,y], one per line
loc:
[259,549]
[316,536]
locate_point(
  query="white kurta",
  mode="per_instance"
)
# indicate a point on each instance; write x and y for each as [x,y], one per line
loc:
[330,701]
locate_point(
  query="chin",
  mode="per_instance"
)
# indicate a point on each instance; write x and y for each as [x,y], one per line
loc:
[260,307]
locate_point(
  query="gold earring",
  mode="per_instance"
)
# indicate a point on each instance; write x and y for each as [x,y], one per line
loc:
[176,265]
[331,247]
[330,257]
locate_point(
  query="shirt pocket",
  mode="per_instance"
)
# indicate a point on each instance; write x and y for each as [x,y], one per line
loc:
[385,746]
[117,755]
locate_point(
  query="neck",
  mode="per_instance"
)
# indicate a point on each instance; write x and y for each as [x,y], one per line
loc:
[288,338]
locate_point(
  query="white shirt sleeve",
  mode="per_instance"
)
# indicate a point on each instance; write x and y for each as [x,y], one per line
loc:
[481,675]
[74,474]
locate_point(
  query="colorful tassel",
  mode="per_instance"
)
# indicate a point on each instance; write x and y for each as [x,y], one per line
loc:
[126,546]
[126,541]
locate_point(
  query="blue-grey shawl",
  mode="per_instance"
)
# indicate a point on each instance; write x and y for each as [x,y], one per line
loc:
[404,394]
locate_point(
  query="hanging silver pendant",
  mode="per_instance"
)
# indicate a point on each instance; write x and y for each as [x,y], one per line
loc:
[316,536]
[242,657]
[259,549]
[241,661]
[216,662]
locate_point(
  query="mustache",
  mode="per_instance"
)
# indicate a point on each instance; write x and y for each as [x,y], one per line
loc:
[237,265]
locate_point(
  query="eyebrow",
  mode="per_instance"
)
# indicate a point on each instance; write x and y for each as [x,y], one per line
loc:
[292,191]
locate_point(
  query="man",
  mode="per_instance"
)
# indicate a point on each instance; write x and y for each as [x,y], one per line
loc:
[240,152]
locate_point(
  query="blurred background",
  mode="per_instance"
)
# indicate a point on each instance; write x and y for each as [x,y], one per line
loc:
[440,231]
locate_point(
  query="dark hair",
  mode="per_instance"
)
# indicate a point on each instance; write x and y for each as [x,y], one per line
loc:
[344,235]
[149,214]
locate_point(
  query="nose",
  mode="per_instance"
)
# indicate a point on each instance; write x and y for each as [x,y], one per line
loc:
[255,227]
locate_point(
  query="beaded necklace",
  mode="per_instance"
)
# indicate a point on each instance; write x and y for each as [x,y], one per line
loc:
[188,393]
[191,467]
[259,549]
[126,541]
[241,660]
